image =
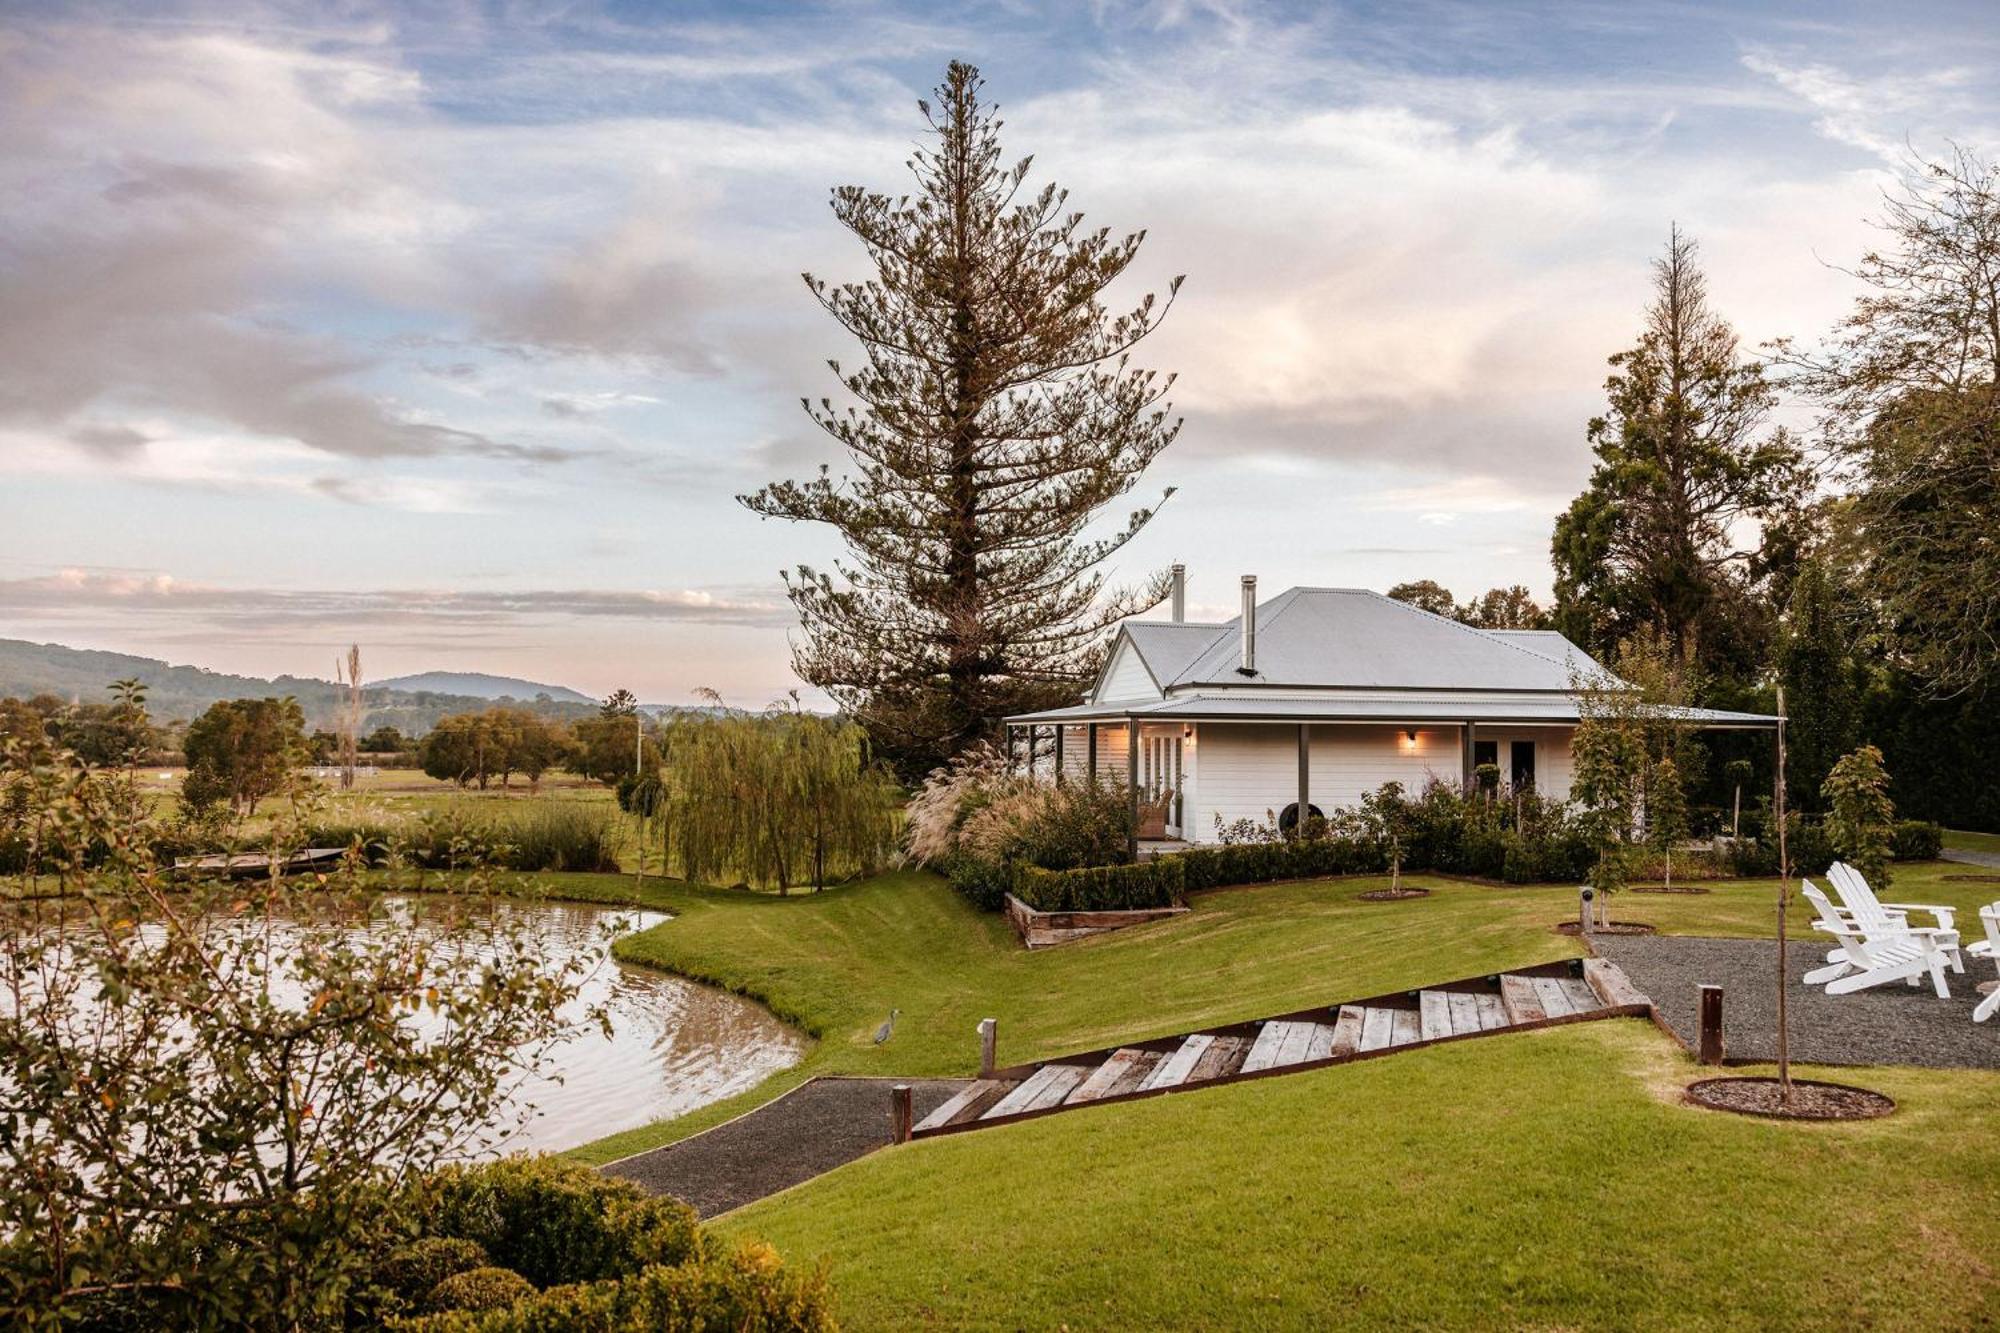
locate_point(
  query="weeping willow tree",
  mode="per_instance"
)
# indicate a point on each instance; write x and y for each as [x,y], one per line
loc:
[773,799]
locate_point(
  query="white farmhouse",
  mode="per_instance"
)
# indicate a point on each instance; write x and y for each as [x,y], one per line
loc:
[1310,699]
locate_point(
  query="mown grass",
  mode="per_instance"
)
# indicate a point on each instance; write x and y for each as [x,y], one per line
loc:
[1546,1180]
[1962,841]
[836,962]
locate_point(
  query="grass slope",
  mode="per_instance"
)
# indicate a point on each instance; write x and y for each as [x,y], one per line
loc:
[835,963]
[1540,1180]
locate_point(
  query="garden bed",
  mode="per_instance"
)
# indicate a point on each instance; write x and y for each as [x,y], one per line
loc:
[1391,895]
[1611,928]
[1810,1100]
[1039,930]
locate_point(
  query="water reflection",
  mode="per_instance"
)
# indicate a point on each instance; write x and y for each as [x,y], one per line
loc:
[675,1044]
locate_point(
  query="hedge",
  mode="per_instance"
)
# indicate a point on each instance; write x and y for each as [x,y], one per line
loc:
[1122,888]
[1261,862]
[1917,840]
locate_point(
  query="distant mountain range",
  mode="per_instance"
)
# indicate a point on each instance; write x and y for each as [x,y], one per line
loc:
[412,704]
[479,685]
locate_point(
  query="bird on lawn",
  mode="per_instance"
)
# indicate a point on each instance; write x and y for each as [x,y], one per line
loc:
[888,1026]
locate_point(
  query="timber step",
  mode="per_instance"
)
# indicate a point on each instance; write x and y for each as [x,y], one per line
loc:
[1532,997]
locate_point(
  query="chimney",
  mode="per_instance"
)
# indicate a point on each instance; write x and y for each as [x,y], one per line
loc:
[1180,592]
[1249,667]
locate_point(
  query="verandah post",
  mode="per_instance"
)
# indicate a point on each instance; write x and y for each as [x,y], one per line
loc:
[1305,785]
[1090,749]
[1132,787]
[1060,729]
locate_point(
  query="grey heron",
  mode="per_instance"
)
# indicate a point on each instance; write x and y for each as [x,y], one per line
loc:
[888,1026]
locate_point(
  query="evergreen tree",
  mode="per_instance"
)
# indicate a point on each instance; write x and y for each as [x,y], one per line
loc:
[998,415]
[1684,474]
[1911,379]
[1822,682]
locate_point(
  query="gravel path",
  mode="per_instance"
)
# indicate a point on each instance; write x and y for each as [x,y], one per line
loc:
[1991,860]
[1886,1025]
[821,1124]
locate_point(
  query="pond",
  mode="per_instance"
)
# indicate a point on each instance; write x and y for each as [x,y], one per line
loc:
[675,1044]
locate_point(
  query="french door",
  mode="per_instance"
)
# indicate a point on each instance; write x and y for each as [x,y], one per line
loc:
[1160,775]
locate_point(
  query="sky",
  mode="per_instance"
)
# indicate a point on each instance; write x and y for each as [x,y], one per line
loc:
[454,330]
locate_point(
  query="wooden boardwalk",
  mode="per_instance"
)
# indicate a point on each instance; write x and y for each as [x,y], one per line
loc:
[1564,992]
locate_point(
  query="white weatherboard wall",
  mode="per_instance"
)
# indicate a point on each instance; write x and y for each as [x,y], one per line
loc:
[1251,770]
[1127,678]
[1350,761]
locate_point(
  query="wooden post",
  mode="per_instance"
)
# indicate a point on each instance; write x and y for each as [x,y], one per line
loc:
[1090,749]
[1305,783]
[1060,729]
[1583,897]
[1465,757]
[900,1115]
[1709,1051]
[989,1042]
[1132,787]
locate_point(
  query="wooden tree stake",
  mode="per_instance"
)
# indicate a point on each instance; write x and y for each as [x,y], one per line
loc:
[989,1040]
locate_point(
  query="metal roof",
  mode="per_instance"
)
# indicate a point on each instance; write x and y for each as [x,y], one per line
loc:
[1351,638]
[1417,707]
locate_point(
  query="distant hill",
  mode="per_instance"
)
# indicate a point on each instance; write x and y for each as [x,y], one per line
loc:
[177,693]
[479,685]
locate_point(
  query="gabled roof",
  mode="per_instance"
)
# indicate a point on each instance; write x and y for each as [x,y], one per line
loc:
[1351,638]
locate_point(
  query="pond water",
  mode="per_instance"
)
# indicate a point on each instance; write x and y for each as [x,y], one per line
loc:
[675,1044]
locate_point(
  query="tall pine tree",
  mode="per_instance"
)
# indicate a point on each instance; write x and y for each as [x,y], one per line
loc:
[1822,682]
[998,414]
[1656,544]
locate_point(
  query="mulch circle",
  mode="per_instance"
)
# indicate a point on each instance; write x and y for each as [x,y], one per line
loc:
[1615,928]
[1391,895]
[1811,1099]
[1973,879]
[1662,888]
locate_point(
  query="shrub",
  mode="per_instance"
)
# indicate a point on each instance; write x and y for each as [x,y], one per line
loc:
[745,1291]
[1860,820]
[1917,840]
[1120,888]
[985,884]
[554,1221]
[485,1288]
[553,835]
[414,1269]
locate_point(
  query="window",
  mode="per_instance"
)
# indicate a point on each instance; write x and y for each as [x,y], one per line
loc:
[1523,765]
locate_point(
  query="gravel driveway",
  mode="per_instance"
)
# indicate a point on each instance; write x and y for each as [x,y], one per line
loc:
[1886,1025]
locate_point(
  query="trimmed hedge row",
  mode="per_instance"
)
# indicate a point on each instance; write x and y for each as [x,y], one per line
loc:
[1120,888]
[1261,862]
[1756,856]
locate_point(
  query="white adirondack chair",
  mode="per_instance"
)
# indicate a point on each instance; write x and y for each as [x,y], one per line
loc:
[1989,947]
[1874,916]
[1874,959]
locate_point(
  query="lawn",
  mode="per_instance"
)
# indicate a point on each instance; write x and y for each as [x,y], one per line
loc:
[835,963]
[1541,1179]
[1545,1180]
[1960,841]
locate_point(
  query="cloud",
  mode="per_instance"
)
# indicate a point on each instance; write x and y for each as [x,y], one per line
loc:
[87,595]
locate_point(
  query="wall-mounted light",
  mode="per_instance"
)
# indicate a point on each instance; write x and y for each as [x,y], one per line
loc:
[1410,739]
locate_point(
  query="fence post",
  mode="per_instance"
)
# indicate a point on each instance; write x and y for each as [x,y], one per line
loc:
[1709,1051]
[900,1117]
[989,1034]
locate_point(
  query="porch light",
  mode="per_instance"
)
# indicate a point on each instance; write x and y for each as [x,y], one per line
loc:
[1410,738]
